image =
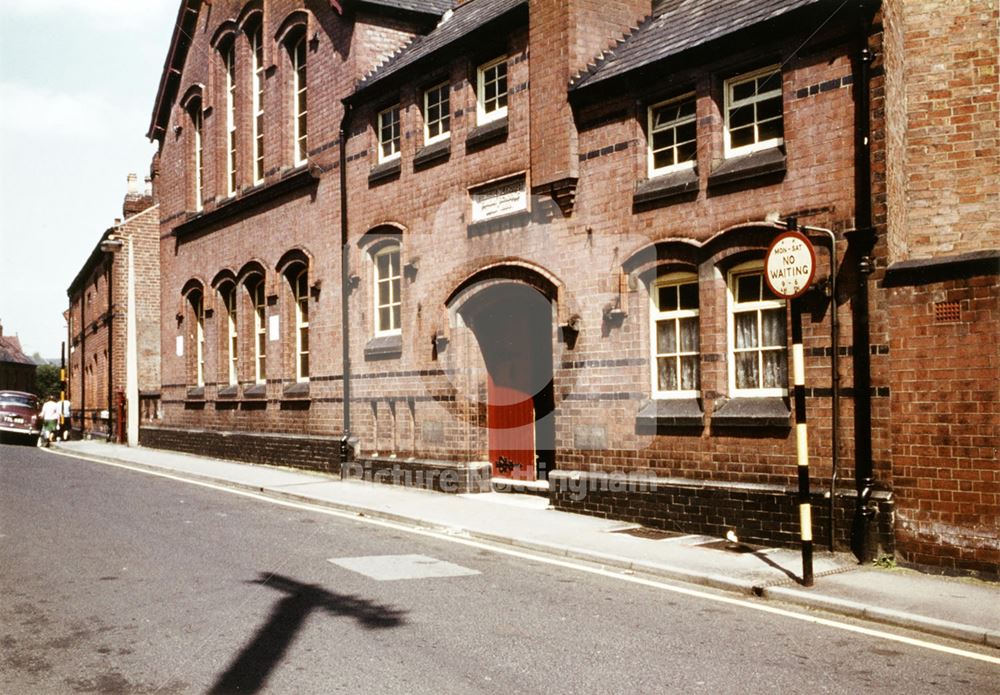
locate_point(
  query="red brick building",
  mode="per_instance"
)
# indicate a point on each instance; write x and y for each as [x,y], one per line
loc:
[98,319]
[524,239]
[17,370]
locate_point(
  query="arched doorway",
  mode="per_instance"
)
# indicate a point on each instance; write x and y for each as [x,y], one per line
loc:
[512,323]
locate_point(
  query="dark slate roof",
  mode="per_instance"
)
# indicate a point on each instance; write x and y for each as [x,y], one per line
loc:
[431,7]
[466,19]
[10,351]
[679,25]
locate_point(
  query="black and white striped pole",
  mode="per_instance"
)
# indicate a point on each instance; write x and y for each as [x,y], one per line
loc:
[789,270]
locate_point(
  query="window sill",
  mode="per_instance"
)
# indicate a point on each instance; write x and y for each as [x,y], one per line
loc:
[752,412]
[486,134]
[432,154]
[666,186]
[228,392]
[750,166]
[297,390]
[662,413]
[196,394]
[385,347]
[515,220]
[255,391]
[384,171]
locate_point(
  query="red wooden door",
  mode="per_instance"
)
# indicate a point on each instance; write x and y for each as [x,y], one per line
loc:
[510,416]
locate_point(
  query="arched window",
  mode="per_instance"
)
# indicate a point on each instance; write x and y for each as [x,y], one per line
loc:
[196,317]
[198,153]
[256,35]
[229,62]
[229,300]
[297,50]
[255,289]
[388,303]
[298,280]
[758,350]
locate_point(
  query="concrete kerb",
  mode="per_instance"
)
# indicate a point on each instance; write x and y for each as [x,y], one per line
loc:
[852,609]
[943,628]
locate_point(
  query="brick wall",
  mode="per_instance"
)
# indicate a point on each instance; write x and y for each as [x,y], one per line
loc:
[311,453]
[944,132]
[946,422]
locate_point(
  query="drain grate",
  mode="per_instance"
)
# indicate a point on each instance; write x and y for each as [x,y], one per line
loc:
[652,534]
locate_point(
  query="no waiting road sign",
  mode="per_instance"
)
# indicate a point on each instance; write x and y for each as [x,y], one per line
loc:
[790,264]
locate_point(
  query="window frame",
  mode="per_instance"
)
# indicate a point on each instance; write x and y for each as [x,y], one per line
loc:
[651,169]
[197,301]
[396,129]
[198,146]
[300,298]
[257,99]
[258,298]
[483,116]
[744,269]
[444,115]
[395,285]
[655,315]
[229,64]
[297,48]
[729,104]
[230,301]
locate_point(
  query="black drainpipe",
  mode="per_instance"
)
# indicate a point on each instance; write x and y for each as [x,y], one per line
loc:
[345,288]
[862,241]
[110,325]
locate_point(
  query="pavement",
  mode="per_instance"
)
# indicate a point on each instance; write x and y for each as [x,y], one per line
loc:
[959,608]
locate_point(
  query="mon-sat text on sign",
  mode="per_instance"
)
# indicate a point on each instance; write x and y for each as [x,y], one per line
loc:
[790,264]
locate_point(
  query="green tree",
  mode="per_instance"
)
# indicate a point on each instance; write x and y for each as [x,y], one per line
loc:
[47,381]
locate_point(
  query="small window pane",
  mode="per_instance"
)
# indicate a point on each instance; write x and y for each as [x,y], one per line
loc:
[689,334]
[383,317]
[689,373]
[668,298]
[769,108]
[747,370]
[748,288]
[746,330]
[689,296]
[771,130]
[744,90]
[773,322]
[775,369]
[666,379]
[740,116]
[741,136]
[666,336]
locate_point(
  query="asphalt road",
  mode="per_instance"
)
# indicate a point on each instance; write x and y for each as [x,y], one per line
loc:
[114,581]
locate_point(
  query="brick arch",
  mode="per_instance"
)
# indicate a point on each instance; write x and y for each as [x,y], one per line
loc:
[665,255]
[188,289]
[512,271]
[738,243]
[381,235]
[225,33]
[195,92]
[251,13]
[249,269]
[292,257]
[296,21]
[223,277]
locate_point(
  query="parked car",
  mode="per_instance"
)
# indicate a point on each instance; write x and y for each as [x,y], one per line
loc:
[19,414]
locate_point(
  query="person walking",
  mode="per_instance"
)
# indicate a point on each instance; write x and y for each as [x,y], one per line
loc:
[66,409]
[50,421]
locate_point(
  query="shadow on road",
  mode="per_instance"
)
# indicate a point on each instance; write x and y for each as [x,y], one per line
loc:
[250,670]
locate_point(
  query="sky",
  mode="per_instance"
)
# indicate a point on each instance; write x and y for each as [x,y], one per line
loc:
[77,83]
